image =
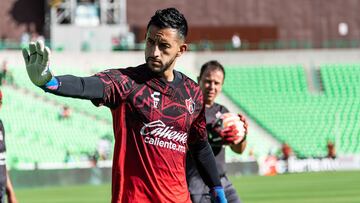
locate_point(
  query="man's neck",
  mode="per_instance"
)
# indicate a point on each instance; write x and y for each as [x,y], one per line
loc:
[168,75]
[209,104]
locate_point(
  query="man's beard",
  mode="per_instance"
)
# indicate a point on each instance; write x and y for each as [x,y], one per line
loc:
[163,68]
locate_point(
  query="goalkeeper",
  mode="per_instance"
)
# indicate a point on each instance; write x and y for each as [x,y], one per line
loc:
[158,114]
[220,134]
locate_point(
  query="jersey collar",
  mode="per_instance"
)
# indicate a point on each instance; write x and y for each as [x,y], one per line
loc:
[160,84]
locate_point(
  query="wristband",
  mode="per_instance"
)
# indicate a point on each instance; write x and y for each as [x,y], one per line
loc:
[53,84]
[217,194]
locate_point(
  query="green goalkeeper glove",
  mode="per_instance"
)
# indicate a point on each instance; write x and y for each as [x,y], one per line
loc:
[37,65]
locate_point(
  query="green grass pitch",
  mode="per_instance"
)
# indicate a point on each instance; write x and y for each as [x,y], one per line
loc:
[321,187]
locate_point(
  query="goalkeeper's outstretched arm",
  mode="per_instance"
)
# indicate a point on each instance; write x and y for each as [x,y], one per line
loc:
[37,66]
[78,87]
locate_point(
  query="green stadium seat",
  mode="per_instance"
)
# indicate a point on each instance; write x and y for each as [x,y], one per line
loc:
[35,135]
[277,98]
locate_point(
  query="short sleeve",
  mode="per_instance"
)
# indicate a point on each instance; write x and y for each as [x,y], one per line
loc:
[117,87]
[224,109]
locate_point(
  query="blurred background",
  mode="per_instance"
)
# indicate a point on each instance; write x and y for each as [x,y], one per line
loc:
[292,68]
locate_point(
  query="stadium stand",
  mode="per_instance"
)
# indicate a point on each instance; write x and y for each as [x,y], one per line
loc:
[35,135]
[278,99]
[23,81]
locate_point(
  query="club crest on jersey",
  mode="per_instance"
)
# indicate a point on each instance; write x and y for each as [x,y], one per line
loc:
[190,105]
[156,99]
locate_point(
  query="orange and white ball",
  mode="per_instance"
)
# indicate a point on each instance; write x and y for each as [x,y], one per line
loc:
[230,119]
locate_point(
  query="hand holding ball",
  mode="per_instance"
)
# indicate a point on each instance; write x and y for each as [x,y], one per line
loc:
[234,128]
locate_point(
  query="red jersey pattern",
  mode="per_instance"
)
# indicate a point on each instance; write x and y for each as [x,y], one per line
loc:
[153,121]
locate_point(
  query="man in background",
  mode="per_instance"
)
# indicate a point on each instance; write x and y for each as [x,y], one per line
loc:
[211,80]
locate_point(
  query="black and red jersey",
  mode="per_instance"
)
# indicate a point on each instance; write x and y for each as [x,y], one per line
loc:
[153,122]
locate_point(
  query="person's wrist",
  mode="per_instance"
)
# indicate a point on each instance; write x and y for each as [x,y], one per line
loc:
[52,84]
[218,194]
[244,138]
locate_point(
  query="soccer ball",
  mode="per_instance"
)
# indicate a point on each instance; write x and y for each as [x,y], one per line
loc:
[234,119]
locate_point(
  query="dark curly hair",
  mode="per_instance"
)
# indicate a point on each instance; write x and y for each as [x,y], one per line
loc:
[170,18]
